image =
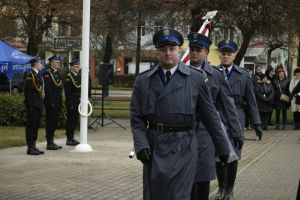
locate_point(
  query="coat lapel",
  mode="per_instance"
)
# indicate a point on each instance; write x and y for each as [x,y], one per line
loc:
[175,82]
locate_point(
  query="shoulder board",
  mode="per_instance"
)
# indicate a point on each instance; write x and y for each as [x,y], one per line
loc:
[217,69]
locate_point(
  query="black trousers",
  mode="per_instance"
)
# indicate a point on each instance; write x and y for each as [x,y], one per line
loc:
[33,124]
[278,117]
[264,116]
[247,118]
[72,121]
[52,119]
[297,118]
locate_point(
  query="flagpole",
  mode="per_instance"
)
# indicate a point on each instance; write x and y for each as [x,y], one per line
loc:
[83,107]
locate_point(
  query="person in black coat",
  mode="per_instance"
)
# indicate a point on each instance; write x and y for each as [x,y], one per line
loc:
[281,86]
[52,100]
[72,94]
[264,96]
[270,75]
[33,88]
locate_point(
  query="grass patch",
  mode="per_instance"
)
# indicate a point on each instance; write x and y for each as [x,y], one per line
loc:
[112,113]
[13,136]
[289,116]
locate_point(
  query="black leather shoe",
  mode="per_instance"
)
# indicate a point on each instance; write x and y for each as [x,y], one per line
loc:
[32,151]
[57,146]
[76,141]
[40,152]
[52,147]
[228,195]
[71,143]
[220,195]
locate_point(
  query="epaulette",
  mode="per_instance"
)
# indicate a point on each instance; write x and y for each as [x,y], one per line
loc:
[29,76]
[219,69]
[68,76]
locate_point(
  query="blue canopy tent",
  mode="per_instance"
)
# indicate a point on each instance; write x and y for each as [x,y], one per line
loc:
[13,61]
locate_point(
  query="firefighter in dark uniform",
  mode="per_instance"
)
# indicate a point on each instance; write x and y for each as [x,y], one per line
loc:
[165,102]
[72,94]
[242,89]
[33,89]
[223,100]
[52,100]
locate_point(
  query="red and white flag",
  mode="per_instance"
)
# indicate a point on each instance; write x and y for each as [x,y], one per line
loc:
[204,30]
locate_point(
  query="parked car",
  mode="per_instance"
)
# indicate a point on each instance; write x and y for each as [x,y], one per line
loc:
[16,83]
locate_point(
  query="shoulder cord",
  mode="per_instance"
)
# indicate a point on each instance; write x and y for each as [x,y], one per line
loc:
[73,81]
[57,84]
[39,89]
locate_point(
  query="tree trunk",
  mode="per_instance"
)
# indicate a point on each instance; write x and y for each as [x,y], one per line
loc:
[108,49]
[138,45]
[32,46]
[241,53]
[196,19]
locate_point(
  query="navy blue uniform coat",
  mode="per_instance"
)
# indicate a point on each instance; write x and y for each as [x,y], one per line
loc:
[223,100]
[243,93]
[171,170]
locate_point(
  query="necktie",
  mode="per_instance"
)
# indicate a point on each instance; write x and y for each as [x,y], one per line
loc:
[227,71]
[168,76]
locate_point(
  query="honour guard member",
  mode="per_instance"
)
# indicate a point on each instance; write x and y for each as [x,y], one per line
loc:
[165,102]
[242,89]
[33,89]
[223,100]
[72,94]
[52,100]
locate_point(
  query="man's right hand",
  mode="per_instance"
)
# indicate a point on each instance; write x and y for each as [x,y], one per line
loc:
[224,159]
[144,156]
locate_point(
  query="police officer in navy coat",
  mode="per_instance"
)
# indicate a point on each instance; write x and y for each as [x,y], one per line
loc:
[242,89]
[72,94]
[33,89]
[165,103]
[52,100]
[223,100]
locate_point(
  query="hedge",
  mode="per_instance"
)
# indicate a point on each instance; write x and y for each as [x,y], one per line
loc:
[12,111]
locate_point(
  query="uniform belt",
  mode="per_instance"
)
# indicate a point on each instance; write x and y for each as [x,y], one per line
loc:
[164,128]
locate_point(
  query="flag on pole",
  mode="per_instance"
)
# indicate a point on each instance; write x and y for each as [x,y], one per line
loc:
[204,30]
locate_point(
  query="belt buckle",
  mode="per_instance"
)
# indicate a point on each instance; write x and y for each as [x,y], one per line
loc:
[160,127]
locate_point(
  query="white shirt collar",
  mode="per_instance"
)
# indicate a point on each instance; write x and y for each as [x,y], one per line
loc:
[54,69]
[74,73]
[172,70]
[198,68]
[229,68]
[36,71]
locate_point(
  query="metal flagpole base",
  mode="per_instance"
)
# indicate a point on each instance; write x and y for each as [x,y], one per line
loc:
[82,148]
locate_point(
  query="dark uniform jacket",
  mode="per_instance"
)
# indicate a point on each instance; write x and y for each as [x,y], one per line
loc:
[170,173]
[281,86]
[223,100]
[242,90]
[33,88]
[264,96]
[53,89]
[72,90]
